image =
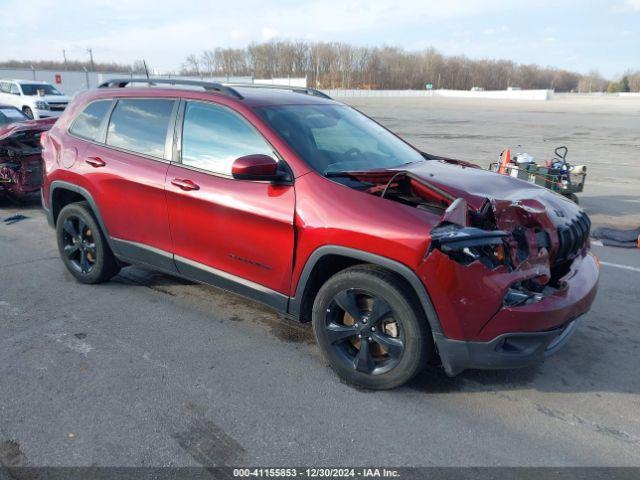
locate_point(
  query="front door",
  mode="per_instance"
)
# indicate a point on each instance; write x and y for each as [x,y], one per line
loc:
[235,233]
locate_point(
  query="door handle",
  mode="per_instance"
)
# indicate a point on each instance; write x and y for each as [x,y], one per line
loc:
[185,184]
[95,162]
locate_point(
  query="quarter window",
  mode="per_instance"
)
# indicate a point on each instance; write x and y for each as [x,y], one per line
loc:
[87,124]
[213,137]
[140,125]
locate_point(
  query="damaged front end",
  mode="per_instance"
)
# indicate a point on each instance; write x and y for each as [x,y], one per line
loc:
[522,240]
[497,247]
[21,159]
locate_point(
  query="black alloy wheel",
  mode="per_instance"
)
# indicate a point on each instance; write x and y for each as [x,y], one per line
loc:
[371,328]
[82,245]
[363,331]
[78,244]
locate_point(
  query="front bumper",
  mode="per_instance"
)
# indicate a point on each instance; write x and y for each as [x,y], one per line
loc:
[48,113]
[510,350]
[556,318]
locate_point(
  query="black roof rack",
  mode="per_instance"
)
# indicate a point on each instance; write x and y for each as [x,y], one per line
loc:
[209,86]
[305,90]
[225,89]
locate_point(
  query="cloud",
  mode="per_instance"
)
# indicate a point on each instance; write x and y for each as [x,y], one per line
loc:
[628,5]
[268,34]
[165,32]
[634,4]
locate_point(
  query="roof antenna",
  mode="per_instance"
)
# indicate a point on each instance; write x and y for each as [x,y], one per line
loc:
[146,70]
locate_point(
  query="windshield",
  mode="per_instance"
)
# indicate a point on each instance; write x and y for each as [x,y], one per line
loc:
[11,115]
[32,89]
[337,138]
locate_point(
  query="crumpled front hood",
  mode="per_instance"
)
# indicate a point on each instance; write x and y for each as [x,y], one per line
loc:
[475,185]
[514,202]
[13,129]
[523,201]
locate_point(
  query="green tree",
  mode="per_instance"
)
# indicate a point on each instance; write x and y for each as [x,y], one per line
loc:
[624,84]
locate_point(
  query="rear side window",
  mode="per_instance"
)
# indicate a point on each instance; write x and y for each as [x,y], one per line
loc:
[87,124]
[213,137]
[140,125]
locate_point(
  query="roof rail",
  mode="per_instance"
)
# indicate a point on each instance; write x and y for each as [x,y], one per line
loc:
[305,90]
[208,86]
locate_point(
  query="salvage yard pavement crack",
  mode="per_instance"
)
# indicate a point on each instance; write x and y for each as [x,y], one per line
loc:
[26,262]
[569,418]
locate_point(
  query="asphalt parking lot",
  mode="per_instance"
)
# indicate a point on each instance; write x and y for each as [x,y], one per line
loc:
[150,370]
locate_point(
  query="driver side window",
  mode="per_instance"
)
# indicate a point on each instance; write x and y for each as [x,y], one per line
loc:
[213,137]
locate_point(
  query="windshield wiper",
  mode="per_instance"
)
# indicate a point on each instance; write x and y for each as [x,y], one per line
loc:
[338,174]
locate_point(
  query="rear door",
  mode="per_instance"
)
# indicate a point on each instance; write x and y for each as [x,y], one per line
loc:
[226,230]
[126,172]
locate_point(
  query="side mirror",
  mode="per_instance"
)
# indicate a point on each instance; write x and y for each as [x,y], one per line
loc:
[256,167]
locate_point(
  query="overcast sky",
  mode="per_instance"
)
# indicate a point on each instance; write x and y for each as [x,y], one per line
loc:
[574,34]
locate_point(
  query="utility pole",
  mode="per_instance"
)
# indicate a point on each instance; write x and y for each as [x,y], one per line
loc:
[64,55]
[90,51]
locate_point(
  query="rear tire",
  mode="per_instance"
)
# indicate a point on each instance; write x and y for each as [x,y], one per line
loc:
[82,245]
[28,112]
[370,328]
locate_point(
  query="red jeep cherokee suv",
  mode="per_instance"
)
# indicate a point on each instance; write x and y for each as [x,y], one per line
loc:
[398,257]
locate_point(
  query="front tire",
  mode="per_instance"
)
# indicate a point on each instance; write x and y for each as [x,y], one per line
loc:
[370,328]
[82,245]
[28,112]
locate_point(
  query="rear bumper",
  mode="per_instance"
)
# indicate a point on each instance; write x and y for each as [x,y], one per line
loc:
[46,210]
[533,332]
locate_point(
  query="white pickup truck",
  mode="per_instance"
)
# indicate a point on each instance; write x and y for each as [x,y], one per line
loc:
[35,99]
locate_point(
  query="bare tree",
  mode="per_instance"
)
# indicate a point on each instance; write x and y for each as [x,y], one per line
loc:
[192,65]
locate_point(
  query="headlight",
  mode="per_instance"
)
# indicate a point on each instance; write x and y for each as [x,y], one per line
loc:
[40,105]
[468,244]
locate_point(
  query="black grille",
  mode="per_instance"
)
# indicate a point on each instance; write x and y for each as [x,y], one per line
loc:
[57,107]
[572,237]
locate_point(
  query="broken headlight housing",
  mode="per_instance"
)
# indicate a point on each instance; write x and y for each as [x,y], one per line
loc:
[468,244]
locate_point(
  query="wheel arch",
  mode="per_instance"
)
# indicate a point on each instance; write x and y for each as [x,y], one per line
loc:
[330,259]
[63,193]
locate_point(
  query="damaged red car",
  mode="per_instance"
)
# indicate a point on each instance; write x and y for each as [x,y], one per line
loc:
[20,160]
[398,257]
